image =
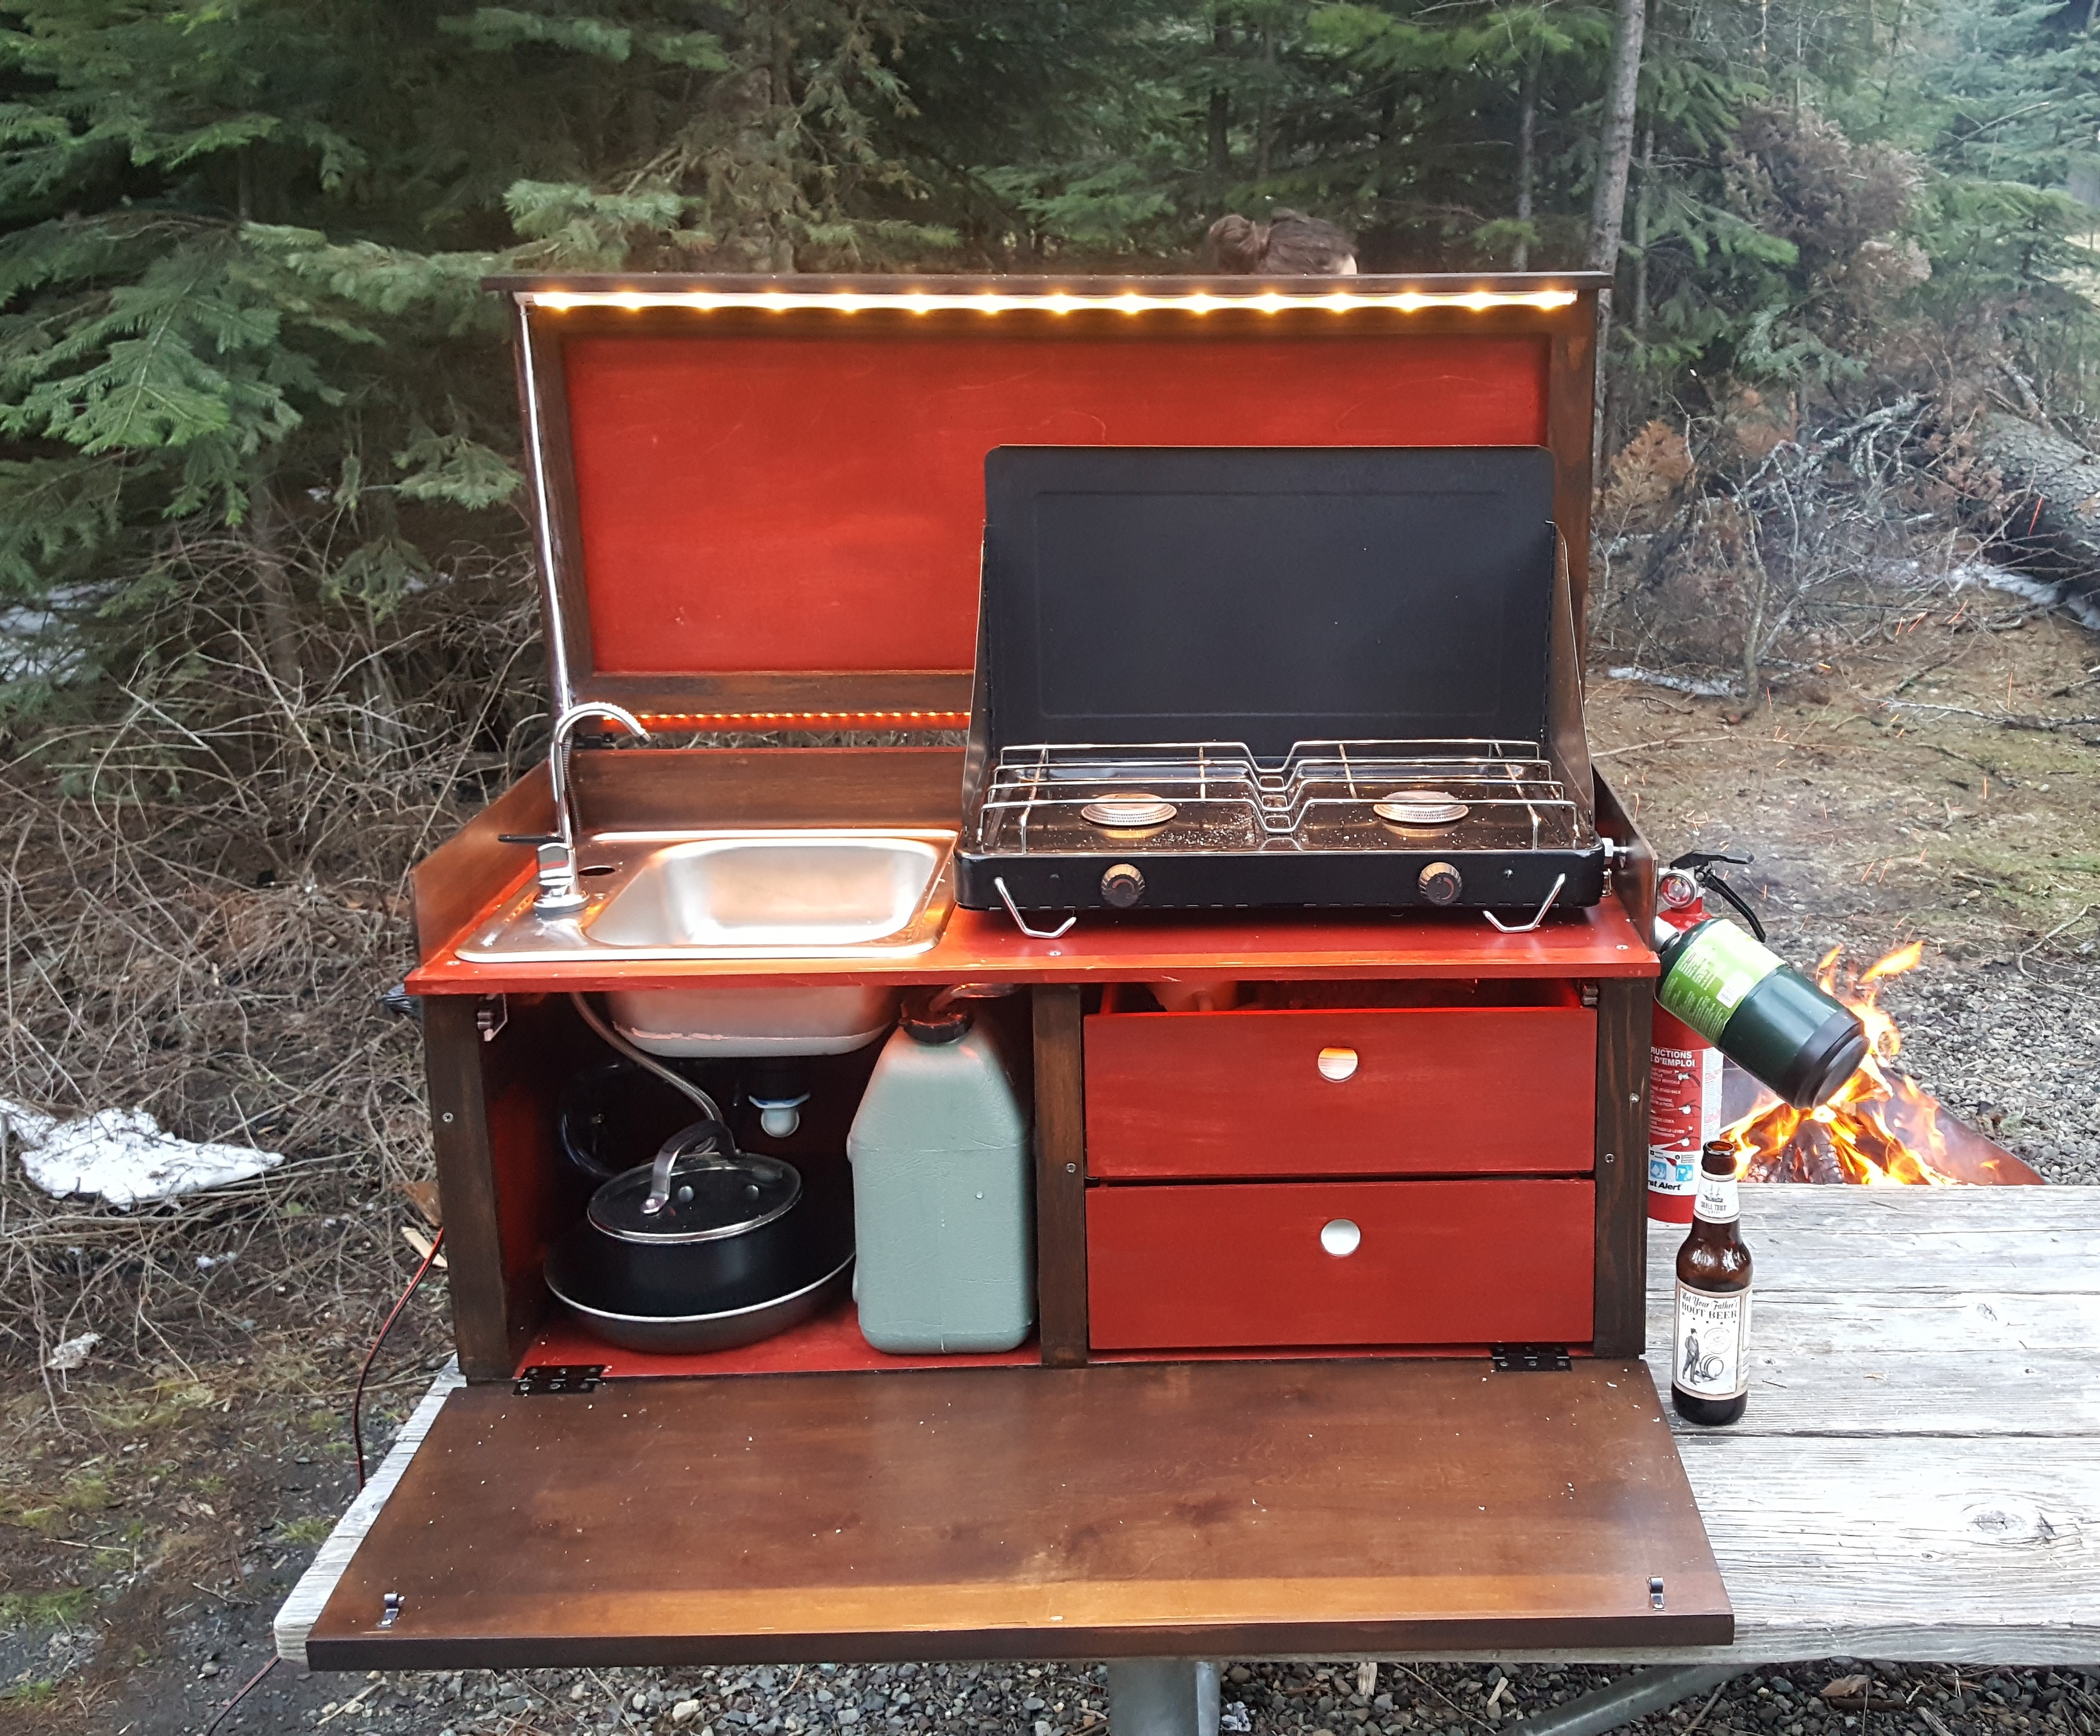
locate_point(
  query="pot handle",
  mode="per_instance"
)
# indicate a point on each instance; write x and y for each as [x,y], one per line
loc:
[683,1143]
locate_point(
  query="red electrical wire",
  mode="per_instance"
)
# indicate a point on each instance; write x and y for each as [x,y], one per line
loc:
[246,1687]
[357,1399]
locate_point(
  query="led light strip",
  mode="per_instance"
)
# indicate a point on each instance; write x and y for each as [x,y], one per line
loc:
[710,719]
[784,301]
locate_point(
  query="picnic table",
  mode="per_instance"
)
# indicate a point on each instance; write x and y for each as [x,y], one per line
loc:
[1917,1476]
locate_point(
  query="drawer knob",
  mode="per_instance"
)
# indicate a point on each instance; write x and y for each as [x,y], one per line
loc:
[1337,1064]
[1340,1237]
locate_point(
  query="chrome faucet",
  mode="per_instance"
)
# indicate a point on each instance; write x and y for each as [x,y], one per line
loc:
[558,891]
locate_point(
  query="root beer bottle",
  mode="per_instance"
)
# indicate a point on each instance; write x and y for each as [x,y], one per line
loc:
[1711,1377]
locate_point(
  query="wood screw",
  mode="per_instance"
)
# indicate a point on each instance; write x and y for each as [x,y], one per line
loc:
[446,1117]
[1071,1169]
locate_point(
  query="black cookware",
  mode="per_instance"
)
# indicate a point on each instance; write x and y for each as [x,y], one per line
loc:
[707,1247]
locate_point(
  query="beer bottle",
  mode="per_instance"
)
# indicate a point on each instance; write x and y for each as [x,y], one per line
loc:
[1710,1379]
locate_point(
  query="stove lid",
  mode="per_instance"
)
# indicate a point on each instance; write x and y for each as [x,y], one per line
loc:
[759,499]
[1269,597]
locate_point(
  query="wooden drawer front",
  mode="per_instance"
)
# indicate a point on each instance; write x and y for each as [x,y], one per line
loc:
[1435,1263]
[1433,1091]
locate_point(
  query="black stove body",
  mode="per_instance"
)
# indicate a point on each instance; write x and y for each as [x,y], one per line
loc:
[1303,676]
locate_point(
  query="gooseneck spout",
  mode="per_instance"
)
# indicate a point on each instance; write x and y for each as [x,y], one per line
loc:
[558,891]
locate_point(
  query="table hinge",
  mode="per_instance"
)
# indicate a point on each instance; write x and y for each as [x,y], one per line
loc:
[492,1016]
[542,1379]
[1530,1358]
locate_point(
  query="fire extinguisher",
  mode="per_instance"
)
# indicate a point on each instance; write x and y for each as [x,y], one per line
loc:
[1684,1077]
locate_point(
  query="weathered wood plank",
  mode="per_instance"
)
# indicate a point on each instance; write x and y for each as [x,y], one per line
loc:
[295,1618]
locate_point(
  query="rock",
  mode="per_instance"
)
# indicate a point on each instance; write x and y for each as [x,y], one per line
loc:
[685,1711]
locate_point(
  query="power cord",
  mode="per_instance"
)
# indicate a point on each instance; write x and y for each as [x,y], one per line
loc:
[364,1374]
[247,1688]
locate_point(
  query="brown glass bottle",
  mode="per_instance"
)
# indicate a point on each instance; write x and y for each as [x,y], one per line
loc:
[1710,1378]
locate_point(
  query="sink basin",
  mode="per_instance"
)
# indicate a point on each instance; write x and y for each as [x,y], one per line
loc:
[770,889]
[828,892]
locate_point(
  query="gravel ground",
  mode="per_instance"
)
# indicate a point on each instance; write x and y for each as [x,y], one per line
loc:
[1324,1699]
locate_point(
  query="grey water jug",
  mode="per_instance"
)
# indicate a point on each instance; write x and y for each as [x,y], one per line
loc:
[943,1222]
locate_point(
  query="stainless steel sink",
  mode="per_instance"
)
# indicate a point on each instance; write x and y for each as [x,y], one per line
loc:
[806,894]
[770,889]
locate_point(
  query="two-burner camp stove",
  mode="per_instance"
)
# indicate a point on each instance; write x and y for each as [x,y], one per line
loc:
[1216,677]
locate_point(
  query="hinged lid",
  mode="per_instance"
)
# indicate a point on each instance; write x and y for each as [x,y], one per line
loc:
[761,500]
[1267,596]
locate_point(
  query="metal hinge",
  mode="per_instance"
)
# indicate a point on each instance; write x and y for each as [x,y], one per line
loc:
[542,1379]
[492,1016]
[1589,994]
[1531,1359]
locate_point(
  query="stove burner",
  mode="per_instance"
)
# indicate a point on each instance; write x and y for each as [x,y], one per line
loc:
[1425,809]
[1138,811]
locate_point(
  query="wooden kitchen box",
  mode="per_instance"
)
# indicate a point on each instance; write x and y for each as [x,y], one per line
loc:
[759,504]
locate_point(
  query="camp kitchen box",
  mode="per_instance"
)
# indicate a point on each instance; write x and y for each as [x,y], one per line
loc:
[1339,1272]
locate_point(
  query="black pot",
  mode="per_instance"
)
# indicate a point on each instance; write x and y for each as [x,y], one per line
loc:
[707,1247]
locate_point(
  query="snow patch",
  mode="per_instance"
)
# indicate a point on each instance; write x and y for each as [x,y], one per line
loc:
[1698,686]
[124,1155]
[2086,608]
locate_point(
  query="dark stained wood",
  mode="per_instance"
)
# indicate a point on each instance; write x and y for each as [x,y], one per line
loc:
[1623,1007]
[503,1187]
[1633,874]
[466,1187]
[1061,1178]
[1570,416]
[1330,1509]
[1493,1260]
[1213,1095]
[458,879]
[646,788]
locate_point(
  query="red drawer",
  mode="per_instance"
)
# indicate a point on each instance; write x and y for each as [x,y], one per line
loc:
[1432,1263]
[1423,1091]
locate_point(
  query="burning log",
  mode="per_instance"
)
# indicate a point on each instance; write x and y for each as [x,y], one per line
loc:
[1882,1129]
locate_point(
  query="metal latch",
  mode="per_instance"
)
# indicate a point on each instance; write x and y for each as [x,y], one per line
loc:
[1530,1358]
[542,1379]
[390,1608]
[1655,1593]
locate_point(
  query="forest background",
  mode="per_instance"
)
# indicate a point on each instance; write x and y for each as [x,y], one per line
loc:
[268,626]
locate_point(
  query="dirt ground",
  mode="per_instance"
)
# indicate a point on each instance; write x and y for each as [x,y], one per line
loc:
[1942,785]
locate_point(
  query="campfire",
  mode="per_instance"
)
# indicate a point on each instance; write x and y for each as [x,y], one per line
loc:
[1881,1130]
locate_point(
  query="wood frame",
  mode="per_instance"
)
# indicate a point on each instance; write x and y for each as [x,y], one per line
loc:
[818,700]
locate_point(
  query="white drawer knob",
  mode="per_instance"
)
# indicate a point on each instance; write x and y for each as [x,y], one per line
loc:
[1340,1237]
[1337,1064]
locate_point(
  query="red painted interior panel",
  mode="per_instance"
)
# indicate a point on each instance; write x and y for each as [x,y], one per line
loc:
[798,503]
[824,1343]
[1440,1262]
[1447,1090]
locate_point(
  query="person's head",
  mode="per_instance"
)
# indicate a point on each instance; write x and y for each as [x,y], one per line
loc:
[1289,245]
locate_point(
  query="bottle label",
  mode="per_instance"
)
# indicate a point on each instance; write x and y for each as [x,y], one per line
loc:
[1720,966]
[1712,1343]
[1718,1199]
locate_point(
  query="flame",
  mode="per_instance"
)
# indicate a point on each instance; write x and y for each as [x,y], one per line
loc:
[1880,1130]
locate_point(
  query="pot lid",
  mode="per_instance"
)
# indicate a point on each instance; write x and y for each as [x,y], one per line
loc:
[711,1195]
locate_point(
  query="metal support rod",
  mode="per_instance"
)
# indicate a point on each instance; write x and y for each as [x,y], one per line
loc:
[1630,1697]
[1162,1696]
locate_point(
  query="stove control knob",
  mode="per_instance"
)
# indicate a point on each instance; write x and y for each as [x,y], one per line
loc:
[1123,886]
[1439,883]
